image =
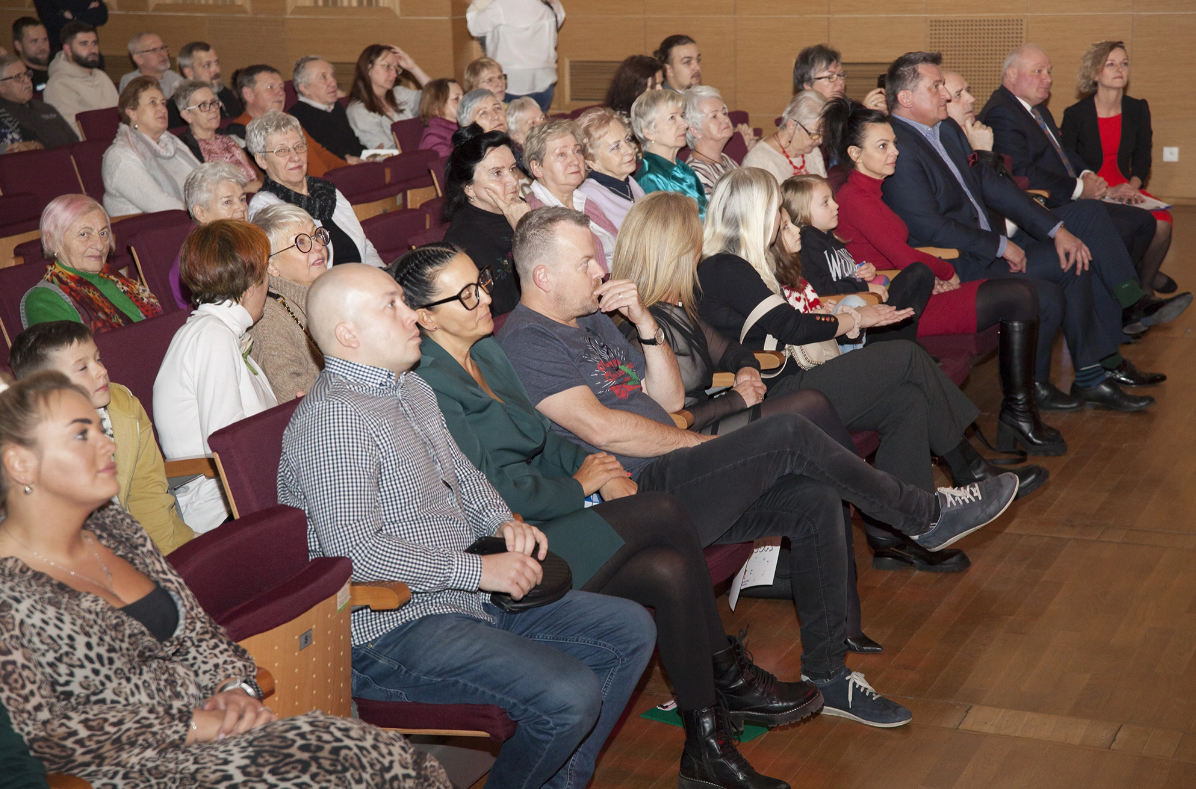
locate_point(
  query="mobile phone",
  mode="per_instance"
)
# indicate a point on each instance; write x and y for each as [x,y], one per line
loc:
[880,81]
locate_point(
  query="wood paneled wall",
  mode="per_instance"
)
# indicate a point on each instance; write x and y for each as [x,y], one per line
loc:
[748,46]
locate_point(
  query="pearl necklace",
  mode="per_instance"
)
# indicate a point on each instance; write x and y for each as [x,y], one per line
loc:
[110,586]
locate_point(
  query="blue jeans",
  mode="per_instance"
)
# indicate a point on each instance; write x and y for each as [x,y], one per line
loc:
[543,98]
[563,672]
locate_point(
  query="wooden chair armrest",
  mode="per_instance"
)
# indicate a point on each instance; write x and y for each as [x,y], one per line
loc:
[683,419]
[188,467]
[940,252]
[1043,193]
[723,379]
[380,595]
[888,272]
[769,360]
[63,781]
[265,681]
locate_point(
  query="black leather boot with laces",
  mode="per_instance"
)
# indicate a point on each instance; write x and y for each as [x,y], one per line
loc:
[749,693]
[710,758]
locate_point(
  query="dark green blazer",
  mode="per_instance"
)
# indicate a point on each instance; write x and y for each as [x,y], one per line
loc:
[529,465]
[19,769]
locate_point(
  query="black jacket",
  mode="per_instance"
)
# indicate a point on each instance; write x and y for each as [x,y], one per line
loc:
[926,195]
[40,122]
[1017,134]
[1081,135]
[53,15]
[827,265]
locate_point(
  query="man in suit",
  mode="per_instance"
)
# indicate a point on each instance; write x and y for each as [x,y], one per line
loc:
[1024,129]
[946,201]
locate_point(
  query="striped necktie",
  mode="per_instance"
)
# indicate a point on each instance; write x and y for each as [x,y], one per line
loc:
[1071,171]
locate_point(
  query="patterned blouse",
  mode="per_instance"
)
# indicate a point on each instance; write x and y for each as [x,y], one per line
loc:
[223,148]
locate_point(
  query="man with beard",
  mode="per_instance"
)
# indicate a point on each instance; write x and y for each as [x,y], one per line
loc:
[76,82]
[199,61]
[32,44]
[26,123]
[151,56]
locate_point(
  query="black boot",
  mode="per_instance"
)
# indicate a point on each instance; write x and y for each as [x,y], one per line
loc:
[710,758]
[1019,421]
[966,466]
[749,693]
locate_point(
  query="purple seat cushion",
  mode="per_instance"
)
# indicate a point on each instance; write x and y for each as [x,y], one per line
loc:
[978,344]
[723,561]
[866,441]
[134,353]
[249,454]
[458,717]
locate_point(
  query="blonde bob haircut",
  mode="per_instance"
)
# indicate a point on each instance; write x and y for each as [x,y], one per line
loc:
[797,197]
[477,70]
[658,247]
[649,107]
[740,218]
[1093,63]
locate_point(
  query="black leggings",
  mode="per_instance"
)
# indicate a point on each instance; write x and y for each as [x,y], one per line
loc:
[911,288]
[661,566]
[1005,300]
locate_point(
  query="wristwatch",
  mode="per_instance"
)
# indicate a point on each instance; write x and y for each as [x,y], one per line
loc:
[655,339]
[242,684]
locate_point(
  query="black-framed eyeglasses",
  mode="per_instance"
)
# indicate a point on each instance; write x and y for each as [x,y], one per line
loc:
[470,296]
[303,242]
[26,74]
[207,105]
[840,77]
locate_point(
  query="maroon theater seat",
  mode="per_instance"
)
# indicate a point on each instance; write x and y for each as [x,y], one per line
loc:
[15,282]
[30,252]
[99,125]
[412,170]
[981,343]
[134,353]
[866,441]
[434,208]
[248,453]
[128,228]
[247,596]
[288,89]
[20,212]
[44,174]
[724,561]
[439,717]
[361,183]
[155,250]
[392,232]
[408,134]
[736,148]
[89,164]
[433,235]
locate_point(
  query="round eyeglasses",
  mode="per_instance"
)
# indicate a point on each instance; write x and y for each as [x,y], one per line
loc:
[303,242]
[470,296]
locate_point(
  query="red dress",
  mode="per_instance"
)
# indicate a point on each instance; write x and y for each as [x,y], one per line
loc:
[876,235]
[1110,141]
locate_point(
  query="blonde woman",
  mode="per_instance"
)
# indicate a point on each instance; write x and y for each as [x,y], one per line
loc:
[658,120]
[894,387]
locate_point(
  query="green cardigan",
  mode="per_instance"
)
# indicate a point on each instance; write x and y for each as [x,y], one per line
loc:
[529,464]
[20,770]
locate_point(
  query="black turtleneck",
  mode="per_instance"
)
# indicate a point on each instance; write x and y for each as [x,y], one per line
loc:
[486,238]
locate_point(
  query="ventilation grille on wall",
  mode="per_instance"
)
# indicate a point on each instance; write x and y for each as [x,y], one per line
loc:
[589,79]
[976,48]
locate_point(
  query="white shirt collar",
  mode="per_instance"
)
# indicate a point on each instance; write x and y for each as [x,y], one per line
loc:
[1024,103]
[316,104]
[547,198]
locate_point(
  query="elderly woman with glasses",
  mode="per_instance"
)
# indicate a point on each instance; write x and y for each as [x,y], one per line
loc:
[555,159]
[200,108]
[486,74]
[277,143]
[612,156]
[820,68]
[281,343]
[793,149]
[658,120]
[481,107]
[215,190]
[145,167]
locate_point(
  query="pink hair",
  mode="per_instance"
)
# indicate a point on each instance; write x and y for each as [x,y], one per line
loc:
[64,211]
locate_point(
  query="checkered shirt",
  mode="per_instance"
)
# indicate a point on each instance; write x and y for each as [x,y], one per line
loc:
[368,457]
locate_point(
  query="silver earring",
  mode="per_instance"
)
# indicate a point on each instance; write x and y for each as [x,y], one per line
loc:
[135,127]
[28,490]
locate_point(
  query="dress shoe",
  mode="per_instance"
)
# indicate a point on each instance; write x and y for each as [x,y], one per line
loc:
[749,693]
[977,469]
[1130,339]
[1109,395]
[1164,284]
[1127,374]
[1049,398]
[1151,311]
[862,645]
[966,509]
[902,553]
[711,760]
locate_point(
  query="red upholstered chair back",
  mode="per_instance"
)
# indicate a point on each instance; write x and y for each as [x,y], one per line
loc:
[739,116]
[225,570]
[736,148]
[15,281]
[134,353]
[288,88]
[248,453]
[89,162]
[412,170]
[408,133]
[19,213]
[358,180]
[432,235]
[392,232]
[126,229]
[155,250]
[99,125]
[45,174]
[30,252]
[434,208]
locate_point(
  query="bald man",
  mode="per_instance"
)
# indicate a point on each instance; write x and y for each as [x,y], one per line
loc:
[368,457]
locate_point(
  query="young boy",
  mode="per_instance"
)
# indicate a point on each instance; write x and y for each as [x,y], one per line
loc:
[69,348]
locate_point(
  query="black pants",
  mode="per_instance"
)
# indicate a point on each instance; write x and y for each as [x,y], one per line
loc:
[661,566]
[896,389]
[911,289]
[1136,228]
[782,476]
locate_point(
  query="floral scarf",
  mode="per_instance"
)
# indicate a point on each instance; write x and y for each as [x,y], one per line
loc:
[94,308]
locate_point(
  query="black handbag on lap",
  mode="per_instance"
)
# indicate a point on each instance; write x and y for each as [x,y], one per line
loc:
[557,581]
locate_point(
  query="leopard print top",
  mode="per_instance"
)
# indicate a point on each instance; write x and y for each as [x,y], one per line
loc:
[88,686]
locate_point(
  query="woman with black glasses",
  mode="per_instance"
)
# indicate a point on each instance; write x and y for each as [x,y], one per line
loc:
[281,344]
[793,149]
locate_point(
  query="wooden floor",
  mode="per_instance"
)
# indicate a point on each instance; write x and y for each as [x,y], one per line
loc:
[1062,658]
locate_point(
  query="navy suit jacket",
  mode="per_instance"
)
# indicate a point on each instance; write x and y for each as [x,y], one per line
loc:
[927,196]
[1017,135]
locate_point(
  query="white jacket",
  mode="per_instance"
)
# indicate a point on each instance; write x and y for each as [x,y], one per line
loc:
[520,35]
[344,217]
[206,382]
[72,89]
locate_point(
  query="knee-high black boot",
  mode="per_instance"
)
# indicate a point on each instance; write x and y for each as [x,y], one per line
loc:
[1019,422]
